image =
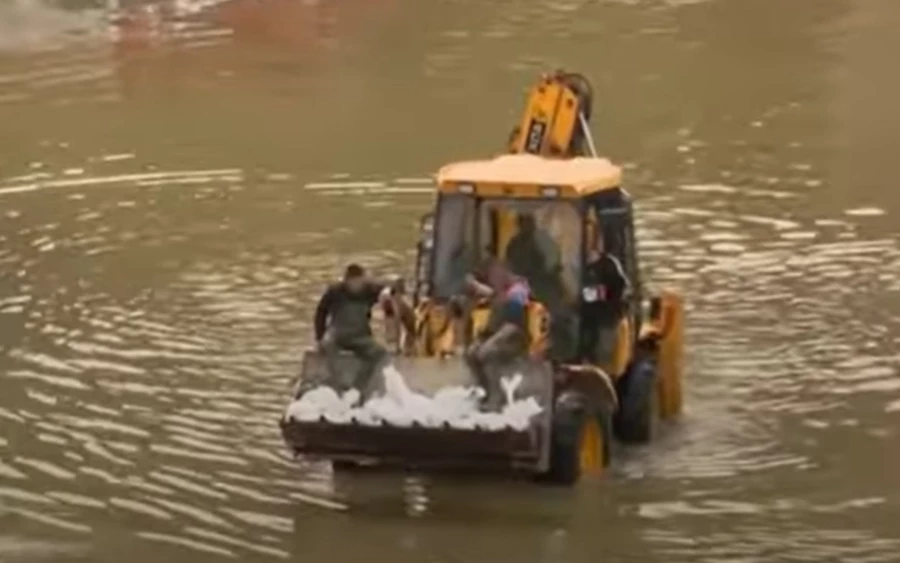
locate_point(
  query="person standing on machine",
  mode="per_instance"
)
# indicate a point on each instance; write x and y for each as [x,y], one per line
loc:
[602,305]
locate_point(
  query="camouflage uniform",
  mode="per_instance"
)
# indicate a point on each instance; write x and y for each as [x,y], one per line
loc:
[349,329]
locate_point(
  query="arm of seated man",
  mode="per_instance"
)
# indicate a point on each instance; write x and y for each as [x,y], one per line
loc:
[479,289]
[515,309]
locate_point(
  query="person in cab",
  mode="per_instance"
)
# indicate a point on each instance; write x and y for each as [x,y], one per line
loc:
[602,304]
[535,256]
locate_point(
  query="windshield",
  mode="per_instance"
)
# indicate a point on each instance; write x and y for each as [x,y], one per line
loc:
[540,241]
[454,252]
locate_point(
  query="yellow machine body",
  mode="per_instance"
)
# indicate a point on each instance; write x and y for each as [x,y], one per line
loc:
[551,175]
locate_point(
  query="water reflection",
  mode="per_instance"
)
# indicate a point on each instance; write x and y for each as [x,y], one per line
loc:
[101,54]
[160,254]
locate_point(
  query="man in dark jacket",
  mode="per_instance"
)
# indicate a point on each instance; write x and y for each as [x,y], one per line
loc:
[343,322]
[535,256]
[602,305]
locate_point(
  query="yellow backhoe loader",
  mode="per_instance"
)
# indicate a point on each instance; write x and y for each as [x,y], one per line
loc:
[551,173]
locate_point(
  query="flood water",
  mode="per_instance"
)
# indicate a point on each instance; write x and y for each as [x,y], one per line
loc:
[174,194]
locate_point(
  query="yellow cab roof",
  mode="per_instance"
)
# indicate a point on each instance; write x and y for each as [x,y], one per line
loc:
[527,175]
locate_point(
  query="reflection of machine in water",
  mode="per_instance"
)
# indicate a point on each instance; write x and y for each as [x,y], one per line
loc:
[206,41]
[419,518]
[295,26]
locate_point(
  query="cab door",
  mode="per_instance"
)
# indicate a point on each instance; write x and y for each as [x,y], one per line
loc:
[614,225]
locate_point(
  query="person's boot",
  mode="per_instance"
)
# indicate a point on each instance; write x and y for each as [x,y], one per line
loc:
[483,382]
[494,399]
[493,394]
[363,380]
[493,402]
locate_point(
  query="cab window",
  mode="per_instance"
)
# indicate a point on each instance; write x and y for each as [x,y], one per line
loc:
[540,241]
[615,231]
[454,253]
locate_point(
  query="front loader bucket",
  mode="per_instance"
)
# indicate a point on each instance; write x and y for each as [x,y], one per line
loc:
[417,447]
[442,448]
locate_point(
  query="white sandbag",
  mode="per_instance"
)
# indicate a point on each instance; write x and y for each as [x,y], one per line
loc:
[402,407]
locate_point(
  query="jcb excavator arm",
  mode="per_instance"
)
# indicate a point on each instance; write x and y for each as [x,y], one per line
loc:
[555,121]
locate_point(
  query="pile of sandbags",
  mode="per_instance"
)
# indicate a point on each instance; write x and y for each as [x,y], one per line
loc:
[455,406]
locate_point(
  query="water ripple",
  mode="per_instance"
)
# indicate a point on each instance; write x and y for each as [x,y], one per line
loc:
[196,393]
[158,281]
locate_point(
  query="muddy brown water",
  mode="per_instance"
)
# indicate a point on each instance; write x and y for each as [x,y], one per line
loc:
[174,195]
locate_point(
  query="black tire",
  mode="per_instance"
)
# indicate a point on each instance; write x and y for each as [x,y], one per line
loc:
[638,414]
[570,419]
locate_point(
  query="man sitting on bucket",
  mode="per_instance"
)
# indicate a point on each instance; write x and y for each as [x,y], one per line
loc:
[505,336]
[343,321]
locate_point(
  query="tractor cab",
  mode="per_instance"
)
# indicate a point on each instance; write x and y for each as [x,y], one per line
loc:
[543,218]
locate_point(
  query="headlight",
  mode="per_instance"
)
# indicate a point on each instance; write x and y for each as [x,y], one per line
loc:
[550,191]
